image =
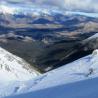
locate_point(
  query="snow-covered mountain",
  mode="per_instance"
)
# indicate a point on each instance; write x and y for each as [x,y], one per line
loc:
[91,43]
[36,10]
[13,68]
[75,80]
[29,9]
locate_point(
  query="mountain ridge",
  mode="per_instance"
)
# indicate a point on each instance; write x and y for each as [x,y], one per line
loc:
[65,80]
[14,68]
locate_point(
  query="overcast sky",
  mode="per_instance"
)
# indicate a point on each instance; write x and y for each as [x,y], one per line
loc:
[83,5]
[88,5]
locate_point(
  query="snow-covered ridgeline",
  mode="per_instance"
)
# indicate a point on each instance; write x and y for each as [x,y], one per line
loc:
[14,68]
[63,82]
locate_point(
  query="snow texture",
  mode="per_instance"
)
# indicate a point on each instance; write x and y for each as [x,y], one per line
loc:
[13,68]
[78,79]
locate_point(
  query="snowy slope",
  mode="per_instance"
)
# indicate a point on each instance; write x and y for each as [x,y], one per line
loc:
[95,15]
[78,79]
[13,68]
[92,37]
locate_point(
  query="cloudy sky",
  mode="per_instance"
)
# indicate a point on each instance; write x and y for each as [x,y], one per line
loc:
[82,5]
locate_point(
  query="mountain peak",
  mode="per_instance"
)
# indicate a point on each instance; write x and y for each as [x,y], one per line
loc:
[5,9]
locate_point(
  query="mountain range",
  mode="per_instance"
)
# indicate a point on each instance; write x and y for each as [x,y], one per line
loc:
[47,51]
[45,37]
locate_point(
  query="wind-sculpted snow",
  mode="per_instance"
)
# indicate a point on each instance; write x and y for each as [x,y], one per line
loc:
[75,80]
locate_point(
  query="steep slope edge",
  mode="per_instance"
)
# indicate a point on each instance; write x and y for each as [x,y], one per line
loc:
[14,68]
[75,80]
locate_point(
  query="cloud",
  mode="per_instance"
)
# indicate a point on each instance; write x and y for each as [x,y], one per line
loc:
[81,5]
[75,5]
[85,5]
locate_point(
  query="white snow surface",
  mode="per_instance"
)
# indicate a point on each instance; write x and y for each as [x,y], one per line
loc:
[13,68]
[78,79]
